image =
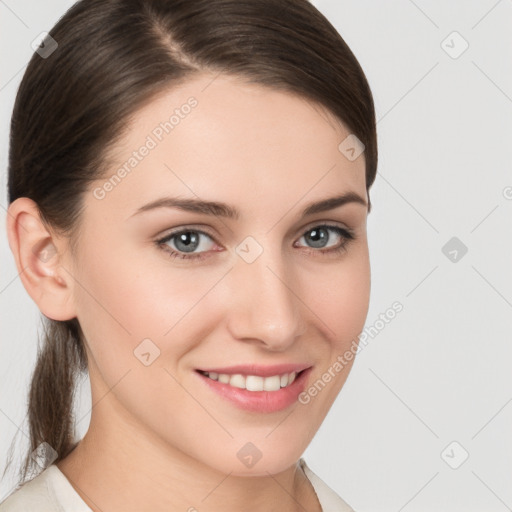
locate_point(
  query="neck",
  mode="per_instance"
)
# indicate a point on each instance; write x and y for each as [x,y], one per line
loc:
[123,467]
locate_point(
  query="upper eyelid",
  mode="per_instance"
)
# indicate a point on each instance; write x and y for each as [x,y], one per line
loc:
[307,227]
[177,231]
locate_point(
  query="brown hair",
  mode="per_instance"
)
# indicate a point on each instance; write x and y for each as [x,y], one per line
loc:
[113,56]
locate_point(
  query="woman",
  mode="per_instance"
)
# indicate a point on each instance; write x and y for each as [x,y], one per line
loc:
[189,187]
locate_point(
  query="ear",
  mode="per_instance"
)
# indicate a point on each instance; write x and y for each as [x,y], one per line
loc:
[40,260]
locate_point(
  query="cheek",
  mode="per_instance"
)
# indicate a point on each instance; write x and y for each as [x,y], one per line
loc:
[340,296]
[121,307]
[127,301]
[128,307]
[342,305]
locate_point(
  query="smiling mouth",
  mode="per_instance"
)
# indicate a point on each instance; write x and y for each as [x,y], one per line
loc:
[254,382]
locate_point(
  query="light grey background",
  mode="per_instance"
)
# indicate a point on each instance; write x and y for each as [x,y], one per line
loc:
[439,372]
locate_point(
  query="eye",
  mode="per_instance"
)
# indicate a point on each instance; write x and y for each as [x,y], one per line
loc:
[187,244]
[190,243]
[332,238]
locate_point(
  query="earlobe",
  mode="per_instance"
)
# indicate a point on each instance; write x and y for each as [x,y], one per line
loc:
[39,257]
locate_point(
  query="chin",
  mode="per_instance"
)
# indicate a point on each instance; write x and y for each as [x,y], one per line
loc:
[258,459]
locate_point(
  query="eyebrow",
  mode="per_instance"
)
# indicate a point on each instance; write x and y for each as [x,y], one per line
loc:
[230,212]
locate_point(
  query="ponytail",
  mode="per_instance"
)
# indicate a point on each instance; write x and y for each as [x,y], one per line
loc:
[60,361]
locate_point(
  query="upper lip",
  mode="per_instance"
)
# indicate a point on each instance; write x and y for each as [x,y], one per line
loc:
[259,370]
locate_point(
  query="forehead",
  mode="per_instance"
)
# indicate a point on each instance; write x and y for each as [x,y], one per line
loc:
[223,139]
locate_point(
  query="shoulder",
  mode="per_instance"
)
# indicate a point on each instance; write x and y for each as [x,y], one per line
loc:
[34,495]
[329,500]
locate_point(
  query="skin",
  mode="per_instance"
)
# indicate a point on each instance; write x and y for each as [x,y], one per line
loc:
[158,438]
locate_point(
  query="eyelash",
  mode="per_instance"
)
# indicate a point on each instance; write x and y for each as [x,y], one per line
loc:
[347,234]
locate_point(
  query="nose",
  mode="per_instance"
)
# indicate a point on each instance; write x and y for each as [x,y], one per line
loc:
[265,308]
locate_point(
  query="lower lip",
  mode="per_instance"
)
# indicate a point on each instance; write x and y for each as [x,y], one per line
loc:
[259,401]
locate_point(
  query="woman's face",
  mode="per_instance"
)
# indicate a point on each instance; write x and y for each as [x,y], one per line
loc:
[262,293]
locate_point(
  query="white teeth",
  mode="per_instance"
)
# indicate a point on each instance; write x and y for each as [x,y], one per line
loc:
[237,381]
[224,378]
[254,382]
[272,383]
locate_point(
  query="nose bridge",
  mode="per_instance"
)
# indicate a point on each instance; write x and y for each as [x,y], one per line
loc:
[265,306]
